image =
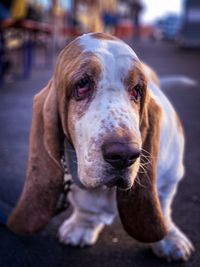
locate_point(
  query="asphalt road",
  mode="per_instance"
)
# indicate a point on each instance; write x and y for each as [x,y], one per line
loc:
[114,247]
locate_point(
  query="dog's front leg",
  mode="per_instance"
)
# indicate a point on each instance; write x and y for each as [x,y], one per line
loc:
[92,210]
[176,246]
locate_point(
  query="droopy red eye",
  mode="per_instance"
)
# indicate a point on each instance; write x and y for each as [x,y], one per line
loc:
[136,93]
[83,88]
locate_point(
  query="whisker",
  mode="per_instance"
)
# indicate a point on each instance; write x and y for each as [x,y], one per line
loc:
[137,180]
[145,162]
[148,153]
[146,174]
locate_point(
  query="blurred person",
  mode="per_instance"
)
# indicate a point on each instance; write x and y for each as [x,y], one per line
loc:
[136,8]
[5,6]
[13,9]
[109,15]
[34,12]
[18,9]
[5,63]
[89,15]
[109,21]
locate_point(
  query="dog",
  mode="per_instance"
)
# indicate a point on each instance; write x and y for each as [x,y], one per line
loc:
[125,139]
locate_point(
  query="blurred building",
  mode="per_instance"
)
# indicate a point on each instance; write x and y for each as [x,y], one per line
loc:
[167,27]
[111,16]
[190,30]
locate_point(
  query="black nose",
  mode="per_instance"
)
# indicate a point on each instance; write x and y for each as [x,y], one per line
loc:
[120,155]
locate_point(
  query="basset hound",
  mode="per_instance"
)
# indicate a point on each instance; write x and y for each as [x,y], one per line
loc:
[124,144]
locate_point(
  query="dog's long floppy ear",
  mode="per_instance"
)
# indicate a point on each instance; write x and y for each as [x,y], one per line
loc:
[44,179]
[139,207]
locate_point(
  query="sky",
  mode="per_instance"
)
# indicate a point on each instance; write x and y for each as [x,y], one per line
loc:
[157,8]
[153,8]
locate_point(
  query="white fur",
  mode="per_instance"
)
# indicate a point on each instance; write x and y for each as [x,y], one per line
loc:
[94,208]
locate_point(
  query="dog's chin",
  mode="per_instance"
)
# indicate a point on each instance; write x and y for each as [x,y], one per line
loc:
[122,179]
[120,183]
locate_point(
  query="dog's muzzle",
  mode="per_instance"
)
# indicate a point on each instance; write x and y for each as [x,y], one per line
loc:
[120,157]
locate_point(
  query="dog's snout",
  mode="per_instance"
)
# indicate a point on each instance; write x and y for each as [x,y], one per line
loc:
[120,155]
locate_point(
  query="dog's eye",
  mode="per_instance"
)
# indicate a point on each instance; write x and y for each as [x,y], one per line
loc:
[83,88]
[136,93]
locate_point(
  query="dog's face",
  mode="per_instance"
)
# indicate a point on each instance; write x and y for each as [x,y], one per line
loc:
[105,101]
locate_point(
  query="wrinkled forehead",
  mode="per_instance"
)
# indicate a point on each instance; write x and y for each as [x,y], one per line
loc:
[102,44]
[99,54]
[112,52]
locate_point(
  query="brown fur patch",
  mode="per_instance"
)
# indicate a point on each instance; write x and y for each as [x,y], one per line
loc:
[43,184]
[134,77]
[151,73]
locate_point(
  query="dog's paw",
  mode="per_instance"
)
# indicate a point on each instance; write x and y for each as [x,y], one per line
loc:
[77,233]
[174,247]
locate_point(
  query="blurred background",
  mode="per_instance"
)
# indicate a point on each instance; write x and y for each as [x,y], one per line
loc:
[166,35]
[27,26]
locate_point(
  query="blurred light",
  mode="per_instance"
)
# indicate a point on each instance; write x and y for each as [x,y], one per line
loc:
[157,8]
[66,4]
[45,3]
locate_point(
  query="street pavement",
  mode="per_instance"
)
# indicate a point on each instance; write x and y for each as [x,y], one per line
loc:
[114,247]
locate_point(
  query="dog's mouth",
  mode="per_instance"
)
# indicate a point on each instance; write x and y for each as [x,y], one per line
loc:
[121,179]
[120,182]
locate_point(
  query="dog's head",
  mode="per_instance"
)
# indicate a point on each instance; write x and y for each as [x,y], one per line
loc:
[98,99]
[107,94]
